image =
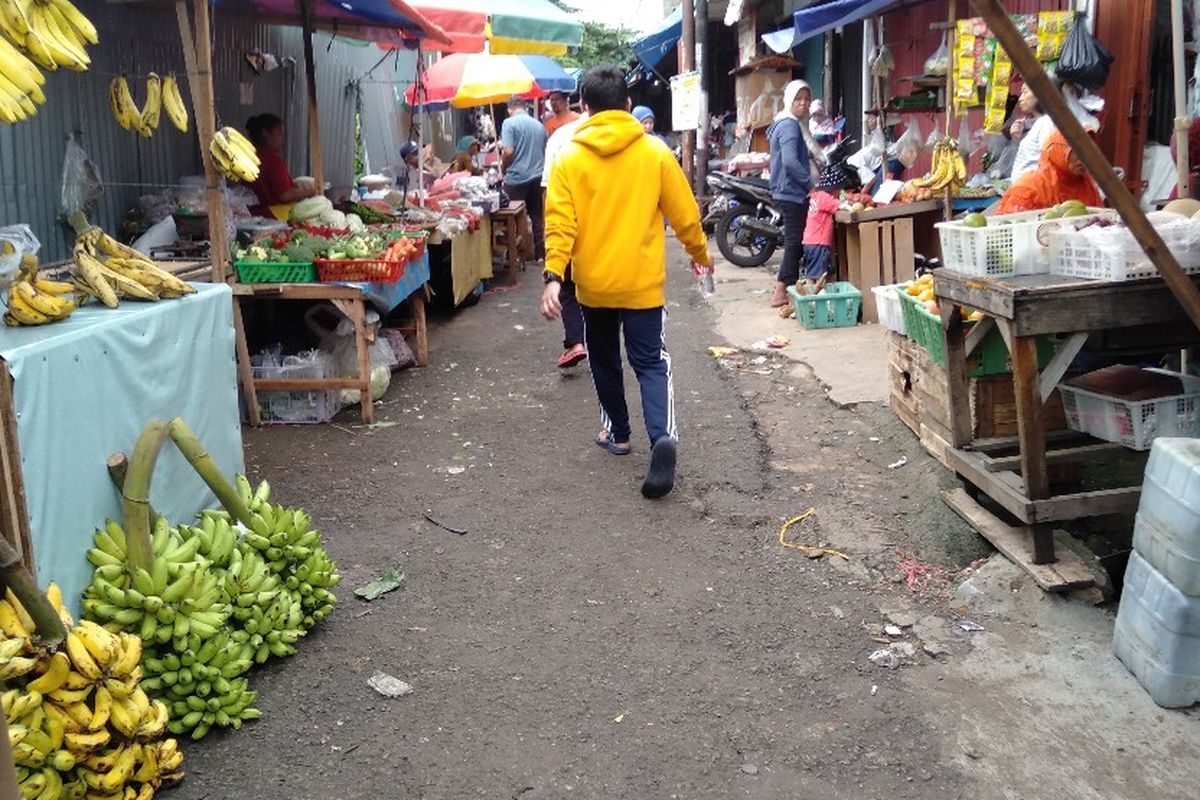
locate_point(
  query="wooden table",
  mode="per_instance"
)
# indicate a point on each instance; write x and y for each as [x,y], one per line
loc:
[875,247]
[511,222]
[1014,472]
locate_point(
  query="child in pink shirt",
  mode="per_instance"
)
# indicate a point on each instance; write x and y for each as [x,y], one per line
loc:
[818,230]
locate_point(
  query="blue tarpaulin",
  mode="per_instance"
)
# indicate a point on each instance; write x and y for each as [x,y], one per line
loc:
[653,47]
[815,20]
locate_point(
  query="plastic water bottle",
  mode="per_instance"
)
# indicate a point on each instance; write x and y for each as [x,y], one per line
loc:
[705,274]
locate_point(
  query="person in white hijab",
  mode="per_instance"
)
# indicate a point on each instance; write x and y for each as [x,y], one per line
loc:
[795,160]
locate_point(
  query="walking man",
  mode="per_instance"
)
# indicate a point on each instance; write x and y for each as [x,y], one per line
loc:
[561,113]
[609,191]
[524,146]
[574,350]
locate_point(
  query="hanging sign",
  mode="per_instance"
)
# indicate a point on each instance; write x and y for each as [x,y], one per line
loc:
[685,101]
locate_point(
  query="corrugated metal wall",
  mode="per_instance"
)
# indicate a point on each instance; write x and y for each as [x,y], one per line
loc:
[136,40]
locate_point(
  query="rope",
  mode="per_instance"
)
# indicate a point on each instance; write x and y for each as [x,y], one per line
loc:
[807,549]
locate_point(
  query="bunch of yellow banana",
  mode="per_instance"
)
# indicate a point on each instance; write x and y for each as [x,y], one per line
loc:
[20,82]
[147,122]
[108,270]
[172,100]
[15,621]
[948,168]
[234,155]
[53,33]
[120,100]
[38,301]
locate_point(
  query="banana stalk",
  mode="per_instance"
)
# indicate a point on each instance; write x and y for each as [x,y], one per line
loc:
[204,464]
[49,626]
[135,494]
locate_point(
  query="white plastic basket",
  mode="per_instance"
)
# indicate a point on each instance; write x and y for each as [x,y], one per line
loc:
[294,408]
[1112,254]
[1010,244]
[887,303]
[1132,423]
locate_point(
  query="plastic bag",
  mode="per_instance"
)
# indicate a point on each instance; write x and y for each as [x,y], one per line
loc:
[938,63]
[1084,61]
[882,62]
[81,184]
[964,138]
[15,241]
[908,147]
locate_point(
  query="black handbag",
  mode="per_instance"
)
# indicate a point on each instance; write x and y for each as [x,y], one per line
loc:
[1084,61]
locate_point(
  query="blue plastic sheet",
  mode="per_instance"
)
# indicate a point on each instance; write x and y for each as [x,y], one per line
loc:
[387,296]
[84,387]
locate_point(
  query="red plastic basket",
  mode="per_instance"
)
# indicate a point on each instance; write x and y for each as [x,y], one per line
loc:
[365,270]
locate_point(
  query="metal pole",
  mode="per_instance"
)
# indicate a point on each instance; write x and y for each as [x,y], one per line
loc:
[700,185]
[687,62]
[1182,120]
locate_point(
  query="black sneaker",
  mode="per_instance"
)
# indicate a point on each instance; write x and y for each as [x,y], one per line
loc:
[660,477]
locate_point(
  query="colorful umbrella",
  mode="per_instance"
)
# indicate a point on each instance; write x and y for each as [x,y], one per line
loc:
[464,80]
[508,26]
[391,22]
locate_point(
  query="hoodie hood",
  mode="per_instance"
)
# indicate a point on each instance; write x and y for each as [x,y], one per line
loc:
[609,132]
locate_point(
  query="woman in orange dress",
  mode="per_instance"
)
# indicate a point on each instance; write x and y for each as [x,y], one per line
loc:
[1060,176]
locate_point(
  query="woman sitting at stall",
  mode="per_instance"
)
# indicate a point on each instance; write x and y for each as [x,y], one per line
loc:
[274,186]
[466,156]
[1060,176]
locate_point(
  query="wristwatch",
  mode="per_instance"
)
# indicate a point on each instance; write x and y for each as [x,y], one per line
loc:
[551,277]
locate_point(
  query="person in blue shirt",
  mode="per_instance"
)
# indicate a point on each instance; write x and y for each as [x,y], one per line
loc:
[791,180]
[523,142]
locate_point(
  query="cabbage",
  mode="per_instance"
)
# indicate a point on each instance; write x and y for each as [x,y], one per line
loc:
[355,224]
[381,379]
[311,209]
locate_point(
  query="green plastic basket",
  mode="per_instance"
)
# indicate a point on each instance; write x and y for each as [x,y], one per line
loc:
[835,307]
[990,357]
[282,272]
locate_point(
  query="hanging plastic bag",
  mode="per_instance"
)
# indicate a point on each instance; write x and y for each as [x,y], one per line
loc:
[876,143]
[81,183]
[16,241]
[882,62]
[938,63]
[1084,61]
[907,149]
[965,145]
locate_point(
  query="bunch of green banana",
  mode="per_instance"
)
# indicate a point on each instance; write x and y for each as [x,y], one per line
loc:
[108,270]
[292,549]
[234,156]
[120,100]
[172,100]
[178,596]
[20,83]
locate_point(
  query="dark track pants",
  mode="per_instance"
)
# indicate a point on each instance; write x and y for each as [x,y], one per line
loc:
[646,349]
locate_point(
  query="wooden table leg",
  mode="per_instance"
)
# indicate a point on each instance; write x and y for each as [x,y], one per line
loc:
[358,314]
[956,375]
[245,370]
[511,238]
[417,301]
[1032,435]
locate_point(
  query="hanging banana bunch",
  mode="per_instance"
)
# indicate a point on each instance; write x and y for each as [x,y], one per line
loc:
[36,35]
[234,155]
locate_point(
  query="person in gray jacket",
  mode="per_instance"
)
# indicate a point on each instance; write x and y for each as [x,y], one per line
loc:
[791,180]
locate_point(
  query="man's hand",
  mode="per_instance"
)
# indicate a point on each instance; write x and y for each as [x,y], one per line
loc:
[551,307]
[707,263]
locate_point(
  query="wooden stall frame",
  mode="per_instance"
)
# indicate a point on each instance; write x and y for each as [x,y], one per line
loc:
[14,511]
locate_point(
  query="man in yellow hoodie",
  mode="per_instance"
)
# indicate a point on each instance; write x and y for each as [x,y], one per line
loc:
[609,191]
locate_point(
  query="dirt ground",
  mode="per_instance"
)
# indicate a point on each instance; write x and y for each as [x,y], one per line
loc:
[580,641]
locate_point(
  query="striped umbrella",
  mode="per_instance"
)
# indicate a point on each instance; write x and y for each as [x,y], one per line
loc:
[507,26]
[464,80]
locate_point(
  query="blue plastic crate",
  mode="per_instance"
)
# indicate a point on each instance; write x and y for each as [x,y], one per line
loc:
[835,307]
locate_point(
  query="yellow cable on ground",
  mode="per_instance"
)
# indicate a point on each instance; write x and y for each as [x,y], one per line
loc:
[807,549]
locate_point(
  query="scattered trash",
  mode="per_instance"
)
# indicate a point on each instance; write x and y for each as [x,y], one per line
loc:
[807,549]
[898,464]
[455,470]
[518,327]
[874,690]
[384,424]
[387,582]
[617,719]
[875,439]
[903,649]
[750,769]
[778,340]
[460,531]
[760,345]
[722,352]
[893,630]
[916,574]
[388,686]
[967,626]
[884,658]
[758,360]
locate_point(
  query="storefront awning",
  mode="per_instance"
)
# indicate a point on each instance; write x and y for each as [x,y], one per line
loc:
[815,20]
[653,47]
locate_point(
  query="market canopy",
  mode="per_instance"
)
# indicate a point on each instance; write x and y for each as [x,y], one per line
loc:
[815,20]
[464,80]
[653,47]
[384,21]
[506,26]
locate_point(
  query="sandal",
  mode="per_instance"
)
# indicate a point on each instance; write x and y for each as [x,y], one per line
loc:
[608,443]
[571,358]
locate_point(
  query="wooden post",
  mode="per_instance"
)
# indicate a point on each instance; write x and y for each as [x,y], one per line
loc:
[197,54]
[310,74]
[14,514]
[687,62]
[1182,120]
[1089,153]
[952,35]
[1032,434]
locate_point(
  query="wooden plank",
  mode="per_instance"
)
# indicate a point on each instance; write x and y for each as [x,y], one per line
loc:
[1066,574]
[935,445]
[296,291]
[417,303]
[956,374]
[902,242]
[1058,365]
[997,444]
[1086,149]
[978,333]
[244,368]
[994,485]
[890,211]
[1091,453]
[1087,504]
[905,412]
[308,384]
[1033,437]
[14,511]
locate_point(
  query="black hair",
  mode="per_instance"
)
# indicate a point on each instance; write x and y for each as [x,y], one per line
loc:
[259,126]
[603,89]
[1037,104]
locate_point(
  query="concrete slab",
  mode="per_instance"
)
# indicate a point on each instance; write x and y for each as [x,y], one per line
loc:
[850,362]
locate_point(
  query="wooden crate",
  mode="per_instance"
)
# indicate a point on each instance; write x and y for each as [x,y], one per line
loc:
[903,373]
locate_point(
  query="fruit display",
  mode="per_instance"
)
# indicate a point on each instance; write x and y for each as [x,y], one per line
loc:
[1065,209]
[111,271]
[33,300]
[161,93]
[80,723]
[37,35]
[172,100]
[299,246]
[234,156]
[922,290]
[948,169]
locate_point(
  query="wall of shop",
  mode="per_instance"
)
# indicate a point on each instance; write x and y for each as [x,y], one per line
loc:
[137,40]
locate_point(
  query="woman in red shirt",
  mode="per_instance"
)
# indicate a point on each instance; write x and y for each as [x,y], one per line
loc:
[274,185]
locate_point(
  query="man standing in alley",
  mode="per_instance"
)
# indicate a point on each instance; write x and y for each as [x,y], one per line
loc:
[609,190]
[574,350]
[560,113]
[524,146]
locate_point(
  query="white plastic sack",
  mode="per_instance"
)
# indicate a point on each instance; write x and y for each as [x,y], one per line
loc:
[908,147]
[160,234]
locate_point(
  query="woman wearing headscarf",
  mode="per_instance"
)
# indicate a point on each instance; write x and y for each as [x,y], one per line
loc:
[1060,176]
[645,115]
[464,156]
[796,163]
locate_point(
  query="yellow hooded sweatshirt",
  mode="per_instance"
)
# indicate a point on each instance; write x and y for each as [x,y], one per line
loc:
[609,190]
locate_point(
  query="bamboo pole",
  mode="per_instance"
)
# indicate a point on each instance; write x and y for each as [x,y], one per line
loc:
[1182,121]
[310,75]
[135,494]
[952,34]
[206,466]
[1089,153]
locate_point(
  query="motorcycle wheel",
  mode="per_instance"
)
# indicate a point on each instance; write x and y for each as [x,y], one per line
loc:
[741,247]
